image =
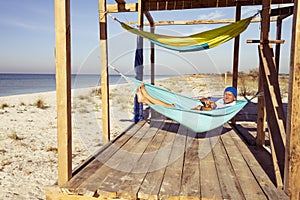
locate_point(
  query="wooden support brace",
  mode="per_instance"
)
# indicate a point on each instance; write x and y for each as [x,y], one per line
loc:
[274,108]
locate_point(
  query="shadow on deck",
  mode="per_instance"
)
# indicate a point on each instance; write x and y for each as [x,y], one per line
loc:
[163,160]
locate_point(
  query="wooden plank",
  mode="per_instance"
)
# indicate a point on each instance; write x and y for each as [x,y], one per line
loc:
[277,41]
[131,184]
[91,184]
[151,184]
[278,37]
[171,184]
[282,11]
[279,182]
[63,89]
[261,112]
[243,130]
[261,109]
[178,5]
[111,186]
[292,185]
[190,184]
[274,107]
[106,152]
[209,182]
[202,21]
[104,72]
[229,184]
[236,50]
[249,186]
[55,193]
[267,186]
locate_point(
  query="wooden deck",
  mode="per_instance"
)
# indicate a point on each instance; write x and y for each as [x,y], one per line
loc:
[163,160]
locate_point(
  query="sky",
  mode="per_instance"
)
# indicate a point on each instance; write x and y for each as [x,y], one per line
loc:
[27,42]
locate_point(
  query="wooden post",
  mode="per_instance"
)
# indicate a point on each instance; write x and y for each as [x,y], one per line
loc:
[63,89]
[292,158]
[152,53]
[152,56]
[236,50]
[104,71]
[140,16]
[261,111]
[278,37]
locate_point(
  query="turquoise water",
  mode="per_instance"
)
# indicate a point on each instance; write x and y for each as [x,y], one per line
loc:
[13,84]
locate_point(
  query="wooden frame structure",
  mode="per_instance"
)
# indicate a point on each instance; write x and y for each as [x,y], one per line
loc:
[284,133]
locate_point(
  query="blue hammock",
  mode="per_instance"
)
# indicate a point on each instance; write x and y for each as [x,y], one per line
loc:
[198,121]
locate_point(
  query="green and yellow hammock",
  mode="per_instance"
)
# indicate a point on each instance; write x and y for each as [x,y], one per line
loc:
[195,42]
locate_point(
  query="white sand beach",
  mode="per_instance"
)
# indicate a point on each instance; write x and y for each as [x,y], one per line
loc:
[28,134]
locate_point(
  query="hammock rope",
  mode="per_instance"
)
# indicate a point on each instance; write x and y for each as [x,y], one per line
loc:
[196,42]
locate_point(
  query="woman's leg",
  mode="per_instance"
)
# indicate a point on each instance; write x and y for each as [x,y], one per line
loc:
[145,97]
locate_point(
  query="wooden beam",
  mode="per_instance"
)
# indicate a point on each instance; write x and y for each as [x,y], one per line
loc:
[194,22]
[282,11]
[292,161]
[104,72]
[278,37]
[132,7]
[261,110]
[274,108]
[183,4]
[266,41]
[236,52]
[63,89]
[149,18]
[152,47]
[55,193]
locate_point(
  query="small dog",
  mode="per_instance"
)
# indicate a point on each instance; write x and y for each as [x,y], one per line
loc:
[207,105]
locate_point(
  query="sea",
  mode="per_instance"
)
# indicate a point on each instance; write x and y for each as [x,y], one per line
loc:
[14,84]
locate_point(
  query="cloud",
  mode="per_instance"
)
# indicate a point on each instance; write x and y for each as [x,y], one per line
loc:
[248,11]
[217,14]
[24,25]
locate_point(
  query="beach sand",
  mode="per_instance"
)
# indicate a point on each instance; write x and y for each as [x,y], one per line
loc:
[28,134]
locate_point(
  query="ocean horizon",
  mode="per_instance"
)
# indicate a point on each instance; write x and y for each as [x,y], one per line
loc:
[16,83]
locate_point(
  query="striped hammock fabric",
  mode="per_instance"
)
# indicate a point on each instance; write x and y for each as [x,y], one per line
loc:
[195,42]
[195,120]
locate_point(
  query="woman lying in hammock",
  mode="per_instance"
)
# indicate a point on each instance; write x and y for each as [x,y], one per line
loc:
[229,98]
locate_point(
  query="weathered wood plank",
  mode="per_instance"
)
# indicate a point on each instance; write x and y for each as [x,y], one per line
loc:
[249,186]
[171,183]
[148,190]
[108,150]
[104,71]
[229,184]
[126,163]
[190,184]
[131,184]
[292,159]
[267,186]
[209,182]
[63,89]
[274,107]
[91,185]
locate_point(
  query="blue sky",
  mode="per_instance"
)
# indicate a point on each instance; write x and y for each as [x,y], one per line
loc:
[27,40]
